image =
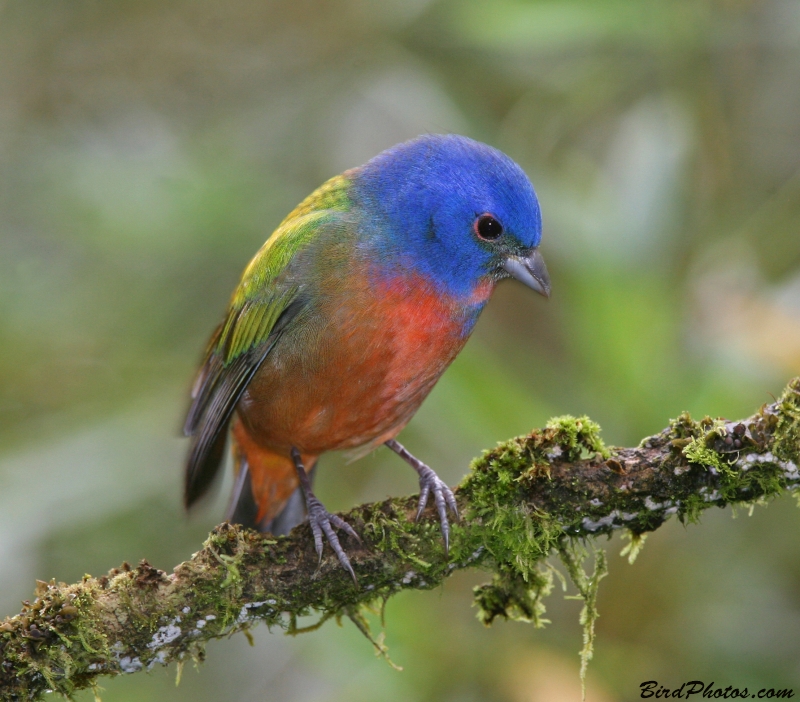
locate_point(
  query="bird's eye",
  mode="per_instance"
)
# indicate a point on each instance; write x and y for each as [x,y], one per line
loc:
[488,228]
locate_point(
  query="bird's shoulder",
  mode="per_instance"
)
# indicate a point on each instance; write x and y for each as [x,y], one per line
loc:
[333,195]
[270,282]
[304,224]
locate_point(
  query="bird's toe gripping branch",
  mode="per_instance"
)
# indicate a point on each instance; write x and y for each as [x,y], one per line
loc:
[322,521]
[429,483]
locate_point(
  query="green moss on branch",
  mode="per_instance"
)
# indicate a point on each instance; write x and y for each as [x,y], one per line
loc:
[522,501]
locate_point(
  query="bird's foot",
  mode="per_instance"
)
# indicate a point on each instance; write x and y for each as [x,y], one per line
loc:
[322,521]
[443,496]
[429,483]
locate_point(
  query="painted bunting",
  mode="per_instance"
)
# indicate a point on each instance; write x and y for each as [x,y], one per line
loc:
[346,318]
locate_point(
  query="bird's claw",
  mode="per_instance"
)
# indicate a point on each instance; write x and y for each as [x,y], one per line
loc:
[443,496]
[323,522]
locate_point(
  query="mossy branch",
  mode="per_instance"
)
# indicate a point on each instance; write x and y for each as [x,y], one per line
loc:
[527,498]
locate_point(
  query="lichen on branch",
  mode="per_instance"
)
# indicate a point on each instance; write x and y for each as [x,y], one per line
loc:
[530,497]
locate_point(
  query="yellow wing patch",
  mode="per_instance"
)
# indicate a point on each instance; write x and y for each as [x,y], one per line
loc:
[257,303]
[292,233]
[333,194]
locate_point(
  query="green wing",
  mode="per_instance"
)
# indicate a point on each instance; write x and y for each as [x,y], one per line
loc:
[265,303]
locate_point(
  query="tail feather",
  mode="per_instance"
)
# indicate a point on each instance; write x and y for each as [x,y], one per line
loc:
[292,514]
[242,508]
[205,457]
[266,493]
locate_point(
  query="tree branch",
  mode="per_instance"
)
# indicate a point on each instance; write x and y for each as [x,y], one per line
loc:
[525,499]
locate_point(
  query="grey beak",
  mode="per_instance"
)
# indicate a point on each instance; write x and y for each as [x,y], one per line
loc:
[529,270]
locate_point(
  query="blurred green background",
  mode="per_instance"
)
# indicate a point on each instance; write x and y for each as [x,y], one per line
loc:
[147,149]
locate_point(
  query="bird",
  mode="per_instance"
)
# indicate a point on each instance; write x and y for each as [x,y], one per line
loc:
[346,318]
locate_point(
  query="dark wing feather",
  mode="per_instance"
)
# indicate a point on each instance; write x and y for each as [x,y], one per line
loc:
[207,376]
[218,388]
[268,298]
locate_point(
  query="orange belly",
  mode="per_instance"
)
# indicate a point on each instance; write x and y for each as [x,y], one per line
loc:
[356,378]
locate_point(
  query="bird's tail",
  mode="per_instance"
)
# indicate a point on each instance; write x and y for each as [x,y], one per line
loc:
[266,493]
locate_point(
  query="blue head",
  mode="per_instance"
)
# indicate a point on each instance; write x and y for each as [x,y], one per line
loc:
[453,209]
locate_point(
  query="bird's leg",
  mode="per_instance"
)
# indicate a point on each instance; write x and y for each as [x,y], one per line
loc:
[321,520]
[429,482]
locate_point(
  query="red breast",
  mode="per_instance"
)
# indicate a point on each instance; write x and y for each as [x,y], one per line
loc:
[358,370]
